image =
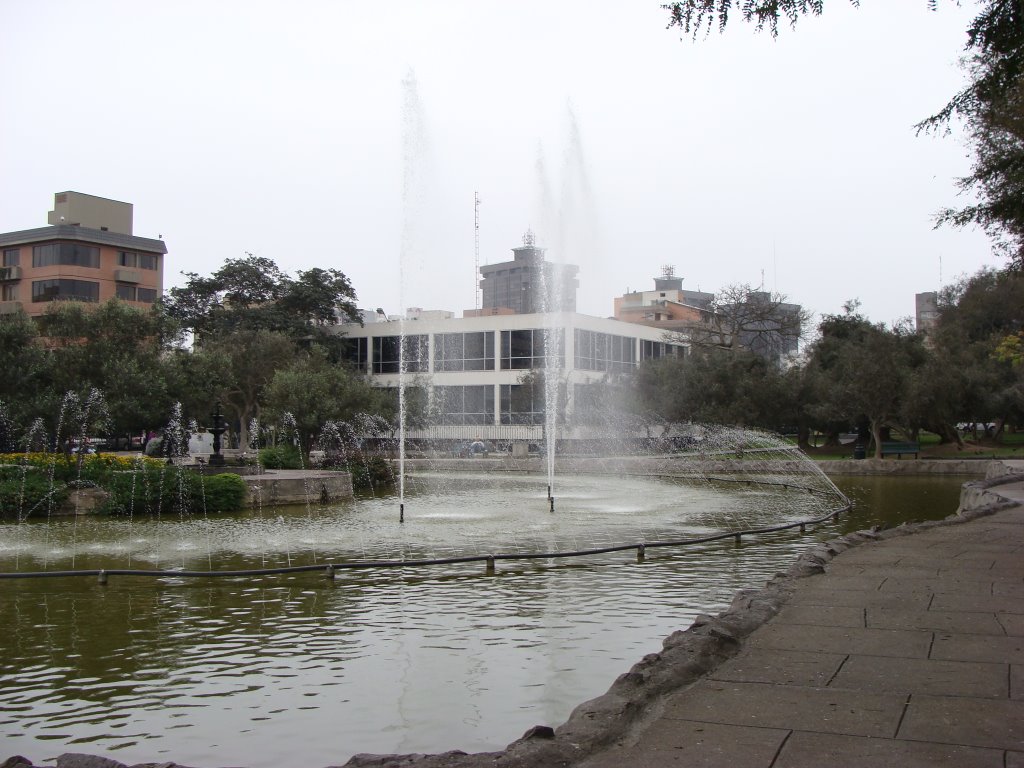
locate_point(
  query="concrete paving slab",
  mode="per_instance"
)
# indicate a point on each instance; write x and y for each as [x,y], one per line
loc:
[1016,681]
[696,745]
[1008,589]
[967,721]
[942,584]
[937,678]
[978,604]
[864,582]
[1015,760]
[826,616]
[998,650]
[814,750]
[1012,623]
[815,595]
[781,667]
[946,621]
[870,642]
[854,713]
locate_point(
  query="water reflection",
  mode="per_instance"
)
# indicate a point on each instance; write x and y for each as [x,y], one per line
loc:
[241,671]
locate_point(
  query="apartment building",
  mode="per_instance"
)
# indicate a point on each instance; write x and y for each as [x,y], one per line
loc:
[87,253]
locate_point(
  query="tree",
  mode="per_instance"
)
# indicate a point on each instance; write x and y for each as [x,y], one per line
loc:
[253,294]
[991,105]
[742,317]
[866,368]
[315,391]
[114,348]
[243,364]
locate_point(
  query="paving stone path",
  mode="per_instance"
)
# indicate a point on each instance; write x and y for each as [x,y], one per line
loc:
[906,652]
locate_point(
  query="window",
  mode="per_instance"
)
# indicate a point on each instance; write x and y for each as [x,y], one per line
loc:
[416,354]
[127,292]
[523,350]
[65,290]
[464,351]
[138,260]
[522,404]
[9,292]
[12,257]
[603,351]
[464,405]
[66,254]
[655,350]
[355,351]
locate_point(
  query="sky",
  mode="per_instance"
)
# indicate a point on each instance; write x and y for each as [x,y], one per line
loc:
[356,135]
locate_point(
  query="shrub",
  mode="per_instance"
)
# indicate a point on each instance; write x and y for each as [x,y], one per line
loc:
[23,495]
[223,493]
[370,472]
[281,457]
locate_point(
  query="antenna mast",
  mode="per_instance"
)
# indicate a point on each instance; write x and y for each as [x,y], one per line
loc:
[476,249]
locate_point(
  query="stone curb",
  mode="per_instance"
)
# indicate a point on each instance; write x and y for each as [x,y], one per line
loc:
[686,656]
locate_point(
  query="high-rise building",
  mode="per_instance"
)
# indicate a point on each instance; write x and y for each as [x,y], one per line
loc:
[87,253]
[527,284]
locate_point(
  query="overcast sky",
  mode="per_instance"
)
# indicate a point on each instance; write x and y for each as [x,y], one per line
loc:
[353,135]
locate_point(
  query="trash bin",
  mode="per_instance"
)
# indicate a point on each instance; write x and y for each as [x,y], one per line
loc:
[859,452]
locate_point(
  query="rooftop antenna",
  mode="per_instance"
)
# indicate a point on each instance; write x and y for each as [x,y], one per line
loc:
[476,249]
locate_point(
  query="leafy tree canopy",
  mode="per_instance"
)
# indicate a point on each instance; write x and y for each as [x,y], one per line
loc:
[252,293]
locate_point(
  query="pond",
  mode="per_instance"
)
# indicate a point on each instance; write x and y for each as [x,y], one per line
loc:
[250,671]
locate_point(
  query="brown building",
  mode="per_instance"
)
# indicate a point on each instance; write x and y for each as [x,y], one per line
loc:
[88,253]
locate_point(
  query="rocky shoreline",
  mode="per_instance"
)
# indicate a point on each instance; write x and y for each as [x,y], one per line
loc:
[686,656]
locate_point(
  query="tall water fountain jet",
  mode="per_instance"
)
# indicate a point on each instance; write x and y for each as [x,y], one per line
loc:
[414,157]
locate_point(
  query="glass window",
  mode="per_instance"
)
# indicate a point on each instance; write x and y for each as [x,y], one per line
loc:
[464,351]
[416,354]
[522,404]
[147,295]
[523,350]
[355,351]
[9,292]
[655,350]
[65,290]
[66,254]
[125,292]
[12,257]
[603,351]
[138,260]
[464,405]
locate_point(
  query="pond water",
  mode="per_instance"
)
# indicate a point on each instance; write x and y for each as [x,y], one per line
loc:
[251,671]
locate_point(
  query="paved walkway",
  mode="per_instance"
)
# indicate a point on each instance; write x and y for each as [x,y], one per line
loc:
[907,652]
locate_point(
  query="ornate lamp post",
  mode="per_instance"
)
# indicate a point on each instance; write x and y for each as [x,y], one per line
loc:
[219,428]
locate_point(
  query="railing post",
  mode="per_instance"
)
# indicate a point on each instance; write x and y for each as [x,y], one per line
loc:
[329,573]
[489,570]
[803,527]
[102,577]
[640,552]
[738,537]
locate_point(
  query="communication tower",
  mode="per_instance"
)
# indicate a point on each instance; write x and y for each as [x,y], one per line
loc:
[476,250]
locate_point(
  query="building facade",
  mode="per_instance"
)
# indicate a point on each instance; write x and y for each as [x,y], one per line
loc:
[755,320]
[480,372]
[88,253]
[527,284]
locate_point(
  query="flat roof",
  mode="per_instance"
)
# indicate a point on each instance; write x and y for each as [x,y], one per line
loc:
[82,234]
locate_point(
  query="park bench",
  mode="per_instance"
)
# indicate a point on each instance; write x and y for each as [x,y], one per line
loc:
[888,449]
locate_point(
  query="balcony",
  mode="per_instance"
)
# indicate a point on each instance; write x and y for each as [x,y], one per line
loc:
[10,273]
[127,276]
[9,307]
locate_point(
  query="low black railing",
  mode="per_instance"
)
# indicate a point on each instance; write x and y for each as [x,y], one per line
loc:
[329,569]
